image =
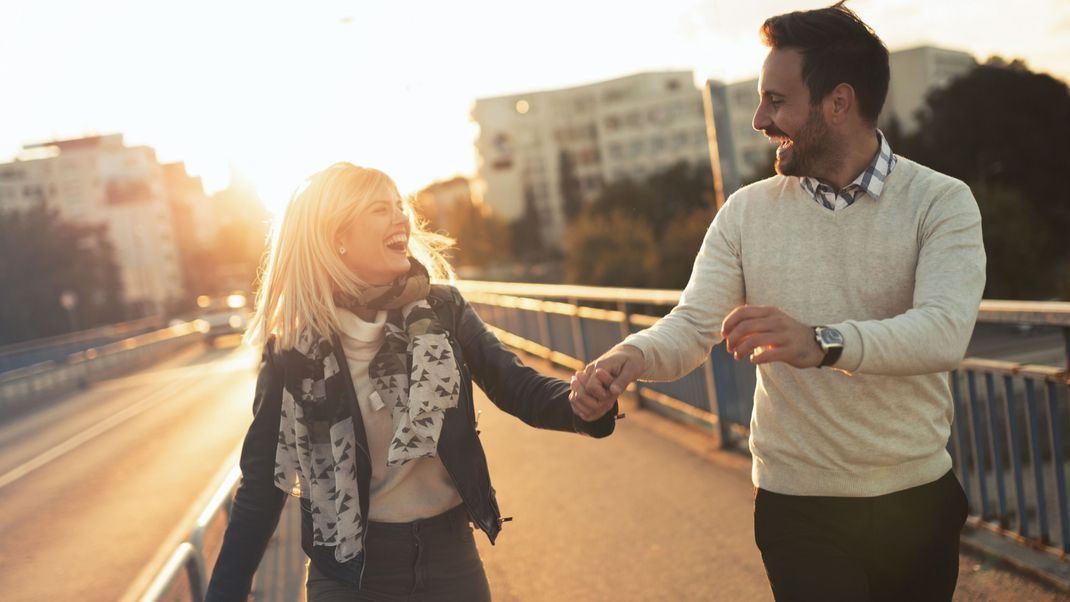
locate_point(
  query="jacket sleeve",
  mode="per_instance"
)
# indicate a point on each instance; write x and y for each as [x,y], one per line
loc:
[258,502]
[540,401]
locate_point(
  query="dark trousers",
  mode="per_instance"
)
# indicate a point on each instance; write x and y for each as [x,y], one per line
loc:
[899,546]
[429,559]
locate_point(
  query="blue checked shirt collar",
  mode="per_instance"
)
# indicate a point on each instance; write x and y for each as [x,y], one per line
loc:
[870,181]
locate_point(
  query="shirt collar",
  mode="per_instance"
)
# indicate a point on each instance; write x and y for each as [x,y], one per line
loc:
[870,181]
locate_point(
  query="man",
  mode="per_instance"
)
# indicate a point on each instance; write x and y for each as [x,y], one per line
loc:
[852,280]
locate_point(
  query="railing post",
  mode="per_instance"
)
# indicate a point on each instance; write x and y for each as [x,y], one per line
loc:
[1066,342]
[579,342]
[723,427]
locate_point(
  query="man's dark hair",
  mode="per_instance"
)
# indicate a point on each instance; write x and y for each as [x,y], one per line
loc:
[837,47]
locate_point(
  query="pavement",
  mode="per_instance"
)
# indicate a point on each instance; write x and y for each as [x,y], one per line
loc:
[654,512]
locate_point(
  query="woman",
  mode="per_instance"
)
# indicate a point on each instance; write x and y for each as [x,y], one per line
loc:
[363,404]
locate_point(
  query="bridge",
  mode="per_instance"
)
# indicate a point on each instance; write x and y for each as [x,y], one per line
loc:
[122,473]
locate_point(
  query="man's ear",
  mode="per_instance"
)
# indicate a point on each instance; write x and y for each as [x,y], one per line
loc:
[839,103]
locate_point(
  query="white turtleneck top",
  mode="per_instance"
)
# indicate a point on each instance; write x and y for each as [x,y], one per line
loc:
[419,488]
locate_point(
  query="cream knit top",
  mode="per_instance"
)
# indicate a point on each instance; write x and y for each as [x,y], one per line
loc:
[419,488]
[900,276]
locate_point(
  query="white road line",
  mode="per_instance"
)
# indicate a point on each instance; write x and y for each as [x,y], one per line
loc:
[88,434]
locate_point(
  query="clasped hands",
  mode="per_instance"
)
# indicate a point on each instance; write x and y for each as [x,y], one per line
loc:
[763,334]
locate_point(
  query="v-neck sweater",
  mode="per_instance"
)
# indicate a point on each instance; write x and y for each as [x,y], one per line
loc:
[900,276]
[420,488]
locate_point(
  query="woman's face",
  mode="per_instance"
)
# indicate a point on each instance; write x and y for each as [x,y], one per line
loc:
[376,243]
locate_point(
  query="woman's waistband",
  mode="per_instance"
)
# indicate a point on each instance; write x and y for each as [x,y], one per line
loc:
[452,518]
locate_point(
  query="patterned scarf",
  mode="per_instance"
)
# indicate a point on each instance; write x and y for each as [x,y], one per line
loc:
[414,374]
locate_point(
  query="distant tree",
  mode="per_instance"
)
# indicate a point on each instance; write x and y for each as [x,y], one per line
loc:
[679,245]
[1002,129]
[672,207]
[612,249]
[525,233]
[765,170]
[41,256]
[677,189]
[571,196]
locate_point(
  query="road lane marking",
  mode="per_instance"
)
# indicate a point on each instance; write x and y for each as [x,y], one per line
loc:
[99,428]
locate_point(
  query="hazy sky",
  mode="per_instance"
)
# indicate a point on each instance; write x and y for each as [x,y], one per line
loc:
[282,89]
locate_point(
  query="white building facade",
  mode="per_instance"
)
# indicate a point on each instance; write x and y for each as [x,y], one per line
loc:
[100,181]
[542,153]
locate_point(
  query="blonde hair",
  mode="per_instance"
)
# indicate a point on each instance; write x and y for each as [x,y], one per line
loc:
[303,269]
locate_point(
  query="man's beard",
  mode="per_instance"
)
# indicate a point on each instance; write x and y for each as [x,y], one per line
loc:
[812,151]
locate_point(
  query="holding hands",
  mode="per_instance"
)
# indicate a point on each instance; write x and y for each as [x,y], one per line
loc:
[596,388]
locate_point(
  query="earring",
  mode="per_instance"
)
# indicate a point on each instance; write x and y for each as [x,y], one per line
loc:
[341,250]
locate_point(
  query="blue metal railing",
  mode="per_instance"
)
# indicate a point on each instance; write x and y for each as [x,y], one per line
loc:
[1011,418]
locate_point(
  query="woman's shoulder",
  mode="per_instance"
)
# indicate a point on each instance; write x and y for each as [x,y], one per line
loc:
[445,293]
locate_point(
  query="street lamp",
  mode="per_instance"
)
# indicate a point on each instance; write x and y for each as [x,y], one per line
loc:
[69,300]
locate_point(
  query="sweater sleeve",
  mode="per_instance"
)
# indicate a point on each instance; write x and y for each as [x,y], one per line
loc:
[948,283]
[682,340]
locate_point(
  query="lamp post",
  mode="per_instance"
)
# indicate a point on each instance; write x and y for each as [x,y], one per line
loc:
[69,300]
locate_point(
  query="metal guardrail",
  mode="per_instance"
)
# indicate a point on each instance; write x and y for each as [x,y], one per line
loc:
[27,353]
[1010,439]
[189,558]
[47,379]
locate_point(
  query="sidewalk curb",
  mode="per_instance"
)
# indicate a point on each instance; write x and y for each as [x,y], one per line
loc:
[1037,564]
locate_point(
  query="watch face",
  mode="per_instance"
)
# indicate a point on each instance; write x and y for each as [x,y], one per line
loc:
[831,336]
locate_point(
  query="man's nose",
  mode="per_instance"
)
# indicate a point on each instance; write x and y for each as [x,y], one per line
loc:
[761,120]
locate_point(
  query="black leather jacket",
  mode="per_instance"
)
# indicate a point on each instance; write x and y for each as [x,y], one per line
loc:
[538,400]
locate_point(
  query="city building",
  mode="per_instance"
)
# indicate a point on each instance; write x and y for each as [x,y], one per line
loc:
[914,73]
[100,181]
[542,154]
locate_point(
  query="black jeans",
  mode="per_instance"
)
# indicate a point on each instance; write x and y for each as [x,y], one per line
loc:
[899,546]
[429,559]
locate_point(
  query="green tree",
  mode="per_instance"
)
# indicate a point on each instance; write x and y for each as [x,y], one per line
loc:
[672,207]
[1002,129]
[612,249]
[679,245]
[41,256]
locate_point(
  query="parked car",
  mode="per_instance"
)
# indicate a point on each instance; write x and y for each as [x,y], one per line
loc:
[222,315]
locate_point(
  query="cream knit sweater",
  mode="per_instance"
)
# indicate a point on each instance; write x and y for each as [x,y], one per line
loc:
[900,276]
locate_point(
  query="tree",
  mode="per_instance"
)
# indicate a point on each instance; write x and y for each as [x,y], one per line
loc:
[1002,129]
[679,245]
[655,225]
[41,256]
[613,249]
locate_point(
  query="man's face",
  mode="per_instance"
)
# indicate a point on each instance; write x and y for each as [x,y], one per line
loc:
[785,115]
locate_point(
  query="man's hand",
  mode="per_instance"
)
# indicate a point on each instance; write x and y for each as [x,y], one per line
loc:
[595,388]
[766,334]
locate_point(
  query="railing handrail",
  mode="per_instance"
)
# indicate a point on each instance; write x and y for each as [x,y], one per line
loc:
[147,338]
[1038,313]
[81,335]
[572,291]
[188,556]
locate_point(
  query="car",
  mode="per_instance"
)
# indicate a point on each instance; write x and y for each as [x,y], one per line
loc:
[222,315]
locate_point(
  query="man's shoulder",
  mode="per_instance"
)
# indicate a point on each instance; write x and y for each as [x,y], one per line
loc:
[768,189]
[914,174]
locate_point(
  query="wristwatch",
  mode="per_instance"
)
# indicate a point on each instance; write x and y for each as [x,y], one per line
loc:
[831,342]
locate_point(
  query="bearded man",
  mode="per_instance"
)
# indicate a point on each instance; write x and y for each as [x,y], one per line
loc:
[852,280]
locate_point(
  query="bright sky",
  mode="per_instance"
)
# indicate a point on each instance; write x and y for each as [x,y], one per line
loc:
[282,89]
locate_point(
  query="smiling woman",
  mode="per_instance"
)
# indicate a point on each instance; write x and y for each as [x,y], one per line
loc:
[364,404]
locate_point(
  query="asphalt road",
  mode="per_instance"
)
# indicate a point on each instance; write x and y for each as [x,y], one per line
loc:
[93,485]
